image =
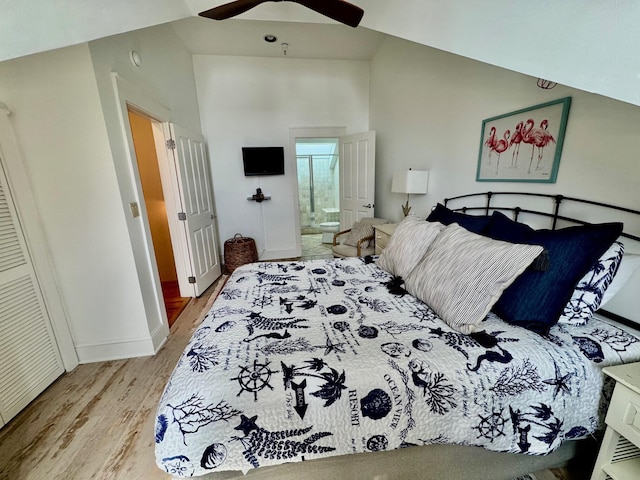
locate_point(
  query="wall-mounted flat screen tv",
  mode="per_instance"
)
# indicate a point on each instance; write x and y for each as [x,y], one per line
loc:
[263,161]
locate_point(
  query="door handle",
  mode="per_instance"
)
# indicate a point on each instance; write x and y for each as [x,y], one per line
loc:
[368,205]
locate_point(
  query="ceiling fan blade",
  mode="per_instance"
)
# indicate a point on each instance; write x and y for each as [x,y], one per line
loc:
[339,10]
[343,12]
[228,10]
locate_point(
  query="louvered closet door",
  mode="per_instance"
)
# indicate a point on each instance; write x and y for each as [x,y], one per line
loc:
[29,357]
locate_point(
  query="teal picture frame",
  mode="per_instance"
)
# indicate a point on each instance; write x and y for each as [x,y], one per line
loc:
[524,145]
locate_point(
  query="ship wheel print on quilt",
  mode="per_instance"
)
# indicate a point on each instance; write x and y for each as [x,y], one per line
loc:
[492,426]
[254,378]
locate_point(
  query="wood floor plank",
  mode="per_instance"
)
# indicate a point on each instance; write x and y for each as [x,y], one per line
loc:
[97,421]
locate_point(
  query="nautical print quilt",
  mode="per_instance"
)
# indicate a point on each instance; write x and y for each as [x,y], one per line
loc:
[299,360]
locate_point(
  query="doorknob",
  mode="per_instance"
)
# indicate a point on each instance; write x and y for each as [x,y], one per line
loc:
[368,205]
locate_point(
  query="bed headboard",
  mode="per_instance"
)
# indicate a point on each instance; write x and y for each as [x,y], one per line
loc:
[556,211]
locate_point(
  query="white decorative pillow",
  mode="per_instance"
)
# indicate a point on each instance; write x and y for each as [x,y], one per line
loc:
[361,229]
[357,233]
[590,290]
[463,274]
[407,245]
[629,264]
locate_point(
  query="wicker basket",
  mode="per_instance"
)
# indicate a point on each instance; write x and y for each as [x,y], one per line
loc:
[239,251]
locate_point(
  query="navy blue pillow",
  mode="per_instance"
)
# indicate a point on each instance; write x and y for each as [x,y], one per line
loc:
[473,223]
[536,299]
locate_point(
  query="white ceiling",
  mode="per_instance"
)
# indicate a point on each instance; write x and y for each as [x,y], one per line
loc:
[588,45]
[305,40]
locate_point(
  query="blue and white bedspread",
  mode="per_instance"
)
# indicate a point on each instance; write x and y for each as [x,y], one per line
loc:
[299,360]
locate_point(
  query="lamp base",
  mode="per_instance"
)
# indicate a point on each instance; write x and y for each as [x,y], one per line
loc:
[406,208]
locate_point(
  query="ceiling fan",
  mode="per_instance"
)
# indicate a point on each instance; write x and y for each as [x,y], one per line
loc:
[339,10]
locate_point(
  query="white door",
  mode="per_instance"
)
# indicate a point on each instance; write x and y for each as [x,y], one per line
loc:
[29,357]
[196,218]
[357,177]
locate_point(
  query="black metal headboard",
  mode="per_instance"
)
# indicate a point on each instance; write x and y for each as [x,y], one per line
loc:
[554,214]
[484,203]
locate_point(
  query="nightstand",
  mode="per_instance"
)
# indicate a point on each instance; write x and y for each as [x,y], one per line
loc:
[619,456]
[382,233]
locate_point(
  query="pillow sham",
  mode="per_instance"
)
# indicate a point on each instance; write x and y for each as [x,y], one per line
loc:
[537,298]
[463,274]
[473,223]
[589,293]
[407,245]
[629,264]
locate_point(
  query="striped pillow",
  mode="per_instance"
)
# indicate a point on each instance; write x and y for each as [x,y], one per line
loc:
[362,229]
[407,245]
[463,274]
[357,233]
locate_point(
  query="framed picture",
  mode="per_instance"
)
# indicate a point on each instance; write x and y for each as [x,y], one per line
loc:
[525,145]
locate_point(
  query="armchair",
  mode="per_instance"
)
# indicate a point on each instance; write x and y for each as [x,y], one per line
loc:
[357,241]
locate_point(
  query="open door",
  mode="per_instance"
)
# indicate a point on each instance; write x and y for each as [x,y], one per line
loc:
[357,177]
[191,213]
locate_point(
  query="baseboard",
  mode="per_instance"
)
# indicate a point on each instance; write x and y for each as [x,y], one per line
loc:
[159,337]
[279,254]
[116,350]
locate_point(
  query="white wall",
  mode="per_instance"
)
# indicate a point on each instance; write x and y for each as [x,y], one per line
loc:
[60,129]
[166,81]
[591,45]
[427,107]
[587,45]
[246,101]
[69,130]
[31,26]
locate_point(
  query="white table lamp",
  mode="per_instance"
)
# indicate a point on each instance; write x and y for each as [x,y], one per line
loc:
[410,181]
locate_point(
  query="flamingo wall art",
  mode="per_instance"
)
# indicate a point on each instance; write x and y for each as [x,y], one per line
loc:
[525,145]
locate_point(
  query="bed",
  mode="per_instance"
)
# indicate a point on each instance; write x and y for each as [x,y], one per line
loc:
[437,357]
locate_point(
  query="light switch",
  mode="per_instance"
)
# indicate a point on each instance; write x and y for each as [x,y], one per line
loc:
[135,210]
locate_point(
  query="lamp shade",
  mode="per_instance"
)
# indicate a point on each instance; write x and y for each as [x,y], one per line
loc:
[410,181]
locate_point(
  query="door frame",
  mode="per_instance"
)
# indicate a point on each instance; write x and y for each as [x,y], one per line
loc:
[305,132]
[128,96]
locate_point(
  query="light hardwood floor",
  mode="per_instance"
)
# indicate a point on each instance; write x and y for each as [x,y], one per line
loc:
[97,422]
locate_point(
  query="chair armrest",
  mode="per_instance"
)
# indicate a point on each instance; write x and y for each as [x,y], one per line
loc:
[360,242]
[336,235]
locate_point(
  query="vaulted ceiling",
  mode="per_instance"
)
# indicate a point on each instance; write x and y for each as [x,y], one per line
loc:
[586,45]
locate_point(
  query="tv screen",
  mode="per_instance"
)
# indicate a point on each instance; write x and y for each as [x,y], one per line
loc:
[263,161]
